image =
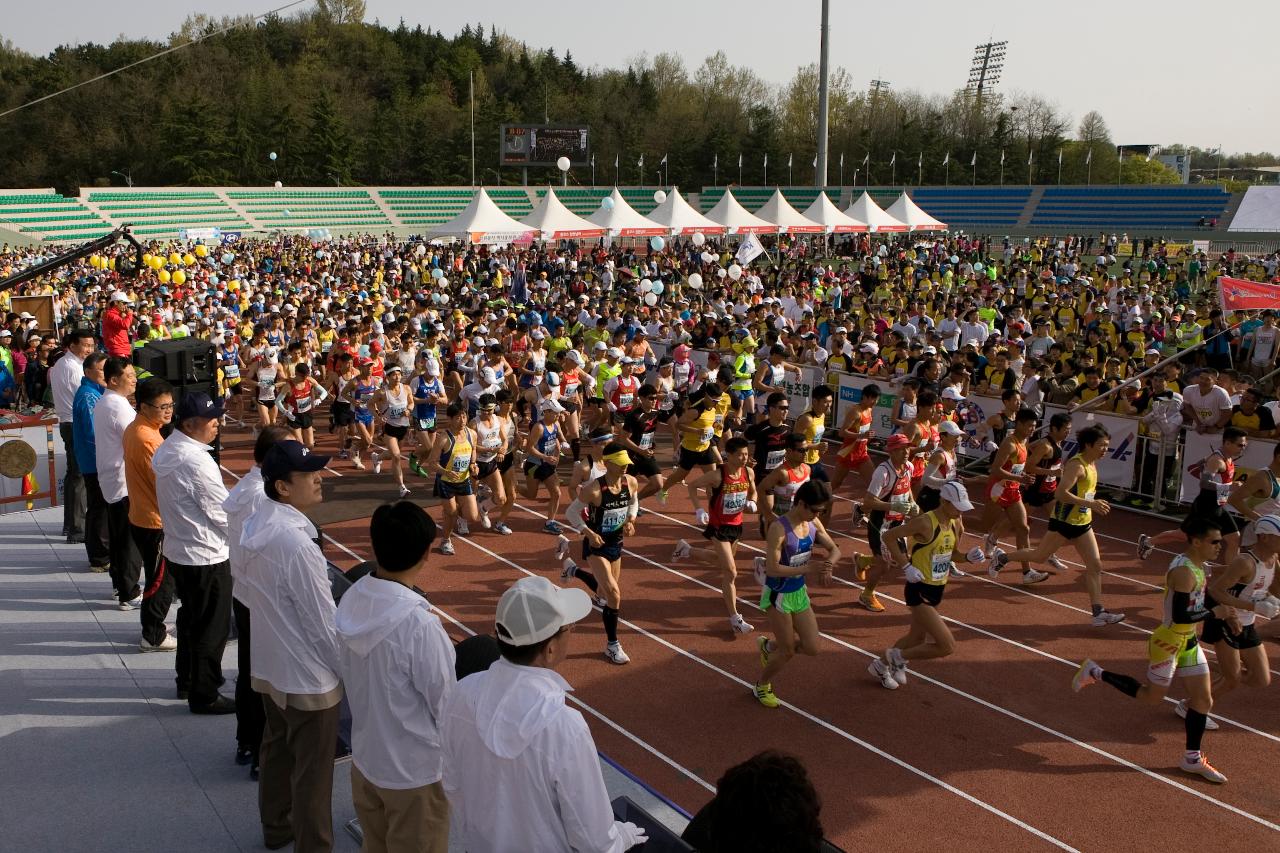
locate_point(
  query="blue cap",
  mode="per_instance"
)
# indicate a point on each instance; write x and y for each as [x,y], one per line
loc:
[197,404]
[288,456]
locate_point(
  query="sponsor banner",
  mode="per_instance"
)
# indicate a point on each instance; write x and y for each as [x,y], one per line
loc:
[1199,246]
[1257,455]
[850,392]
[1116,468]
[973,413]
[800,389]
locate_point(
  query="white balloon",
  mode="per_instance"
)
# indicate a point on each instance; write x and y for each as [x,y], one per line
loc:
[735,272]
[286,213]
[645,285]
[444,299]
[695,281]
[421,250]
[699,238]
[279,185]
[720,273]
[651,299]
[659,196]
[708,258]
[272,155]
[563,164]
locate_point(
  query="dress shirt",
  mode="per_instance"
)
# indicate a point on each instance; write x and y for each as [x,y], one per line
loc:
[111,417]
[189,493]
[65,378]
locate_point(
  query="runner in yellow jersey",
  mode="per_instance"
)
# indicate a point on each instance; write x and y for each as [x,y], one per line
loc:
[933,539]
[1173,648]
[453,459]
[698,442]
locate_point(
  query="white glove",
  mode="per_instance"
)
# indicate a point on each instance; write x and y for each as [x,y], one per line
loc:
[701,516]
[564,447]
[913,574]
[976,555]
[990,446]
[1267,607]
[751,506]
[630,834]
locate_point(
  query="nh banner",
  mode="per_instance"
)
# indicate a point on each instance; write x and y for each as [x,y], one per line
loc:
[850,392]
[1257,455]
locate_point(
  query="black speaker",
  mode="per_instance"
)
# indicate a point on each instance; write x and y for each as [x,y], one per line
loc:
[183,362]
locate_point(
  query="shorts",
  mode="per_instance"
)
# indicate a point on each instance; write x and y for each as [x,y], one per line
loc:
[875,529]
[1223,520]
[818,471]
[924,593]
[1039,497]
[507,461]
[484,469]
[342,414]
[609,551]
[364,418]
[233,387]
[393,431]
[853,456]
[786,602]
[302,420]
[722,532]
[1068,531]
[445,489]
[643,466]
[1215,631]
[540,471]
[424,424]
[739,395]
[690,459]
[1004,492]
[1170,653]
[570,406]
[664,415]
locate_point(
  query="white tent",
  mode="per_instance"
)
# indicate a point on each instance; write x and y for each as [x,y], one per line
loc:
[786,218]
[680,217]
[553,221]
[623,221]
[866,210]
[482,221]
[729,213]
[832,220]
[907,212]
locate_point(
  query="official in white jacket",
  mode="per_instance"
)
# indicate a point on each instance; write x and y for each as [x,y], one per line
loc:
[294,657]
[521,769]
[397,667]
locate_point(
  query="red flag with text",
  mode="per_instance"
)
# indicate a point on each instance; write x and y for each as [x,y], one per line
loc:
[1240,294]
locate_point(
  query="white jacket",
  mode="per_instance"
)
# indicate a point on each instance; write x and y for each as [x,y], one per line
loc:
[521,769]
[242,501]
[397,667]
[189,494]
[286,586]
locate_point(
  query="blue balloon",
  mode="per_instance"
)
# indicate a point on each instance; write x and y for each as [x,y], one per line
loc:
[658,286]
[228,258]
[213,280]
[656,243]
[437,273]
[606,203]
[320,254]
[272,155]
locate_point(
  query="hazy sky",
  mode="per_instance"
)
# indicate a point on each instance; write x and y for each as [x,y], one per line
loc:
[1159,73]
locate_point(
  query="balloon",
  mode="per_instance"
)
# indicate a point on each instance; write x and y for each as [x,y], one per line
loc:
[444,299]
[228,258]
[146,258]
[319,254]
[955,259]
[179,277]
[645,285]
[695,281]
[659,196]
[213,279]
[285,213]
[563,164]
[720,273]
[272,155]
[658,287]
[699,238]
[188,259]
[437,273]
[163,275]
[156,262]
[420,251]
[708,258]
[657,243]
[651,299]
[977,267]
[175,258]
[202,251]
[279,185]
[735,272]
[606,203]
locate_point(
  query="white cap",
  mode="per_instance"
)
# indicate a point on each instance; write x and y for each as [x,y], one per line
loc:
[488,376]
[550,405]
[1267,525]
[478,342]
[613,352]
[950,428]
[869,346]
[576,357]
[120,296]
[537,334]
[951,392]
[953,493]
[433,368]
[600,346]
[534,609]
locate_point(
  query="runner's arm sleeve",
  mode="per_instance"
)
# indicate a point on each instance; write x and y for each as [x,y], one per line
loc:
[574,515]
[1184,613]
[324,395]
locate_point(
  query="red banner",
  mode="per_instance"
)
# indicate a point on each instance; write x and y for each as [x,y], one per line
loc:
[1240,294]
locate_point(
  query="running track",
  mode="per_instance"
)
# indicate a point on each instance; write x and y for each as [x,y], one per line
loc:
[987,748]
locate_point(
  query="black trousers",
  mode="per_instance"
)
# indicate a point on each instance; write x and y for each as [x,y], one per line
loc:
[157,595]
[73,499]
[204,621]
[97,536]
[250,715]
[126,564]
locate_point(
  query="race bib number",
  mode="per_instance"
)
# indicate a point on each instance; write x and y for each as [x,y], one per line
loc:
[570,390]
[304,404]
[625,400]
[708,434]
[733,502]
[864,429]
[774,459]
[1017,470]
[800,559]
[646,441]
[782,504]
[613,519]
[395,412]
[940,567]
[1089,494]
[426,423]
[460,463]
[818,433]
[1224,492]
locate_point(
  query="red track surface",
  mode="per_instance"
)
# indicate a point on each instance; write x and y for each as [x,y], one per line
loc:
[986,749]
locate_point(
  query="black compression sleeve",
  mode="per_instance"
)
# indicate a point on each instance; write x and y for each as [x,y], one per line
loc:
[1183,612]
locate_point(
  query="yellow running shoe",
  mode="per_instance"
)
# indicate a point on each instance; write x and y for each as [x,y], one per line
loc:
[869,601]
[764,695]
[763,643]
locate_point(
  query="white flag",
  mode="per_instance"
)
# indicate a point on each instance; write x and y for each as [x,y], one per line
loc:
[593,161]
[1088,158]
[973,161]
[789,158]
[766,160]
[641,163]
[739,161]
[663,161]
[715,163]
[1001,156]
[1059,156]
[615,161]
[894,158]
[866,159]
[920,161]
[1030,156]
[749,250]
[947,159]
[841,159]
[815,161]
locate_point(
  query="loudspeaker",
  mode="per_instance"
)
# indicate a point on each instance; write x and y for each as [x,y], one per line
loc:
[183,362]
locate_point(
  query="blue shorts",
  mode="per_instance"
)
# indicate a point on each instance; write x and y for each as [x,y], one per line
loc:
[739,396]
[365,417]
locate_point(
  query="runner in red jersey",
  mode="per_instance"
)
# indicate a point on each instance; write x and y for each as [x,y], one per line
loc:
[1004,491]
[855,437]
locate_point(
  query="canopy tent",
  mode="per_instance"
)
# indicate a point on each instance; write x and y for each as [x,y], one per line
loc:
[622,220]
[680,217]
[866,210]
[909,213]
[786,218]
[553,221]
[482,221]
[731,215]
[832,220]
[1259,210]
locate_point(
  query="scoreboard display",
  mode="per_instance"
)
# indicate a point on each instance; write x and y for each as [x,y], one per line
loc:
[543,144]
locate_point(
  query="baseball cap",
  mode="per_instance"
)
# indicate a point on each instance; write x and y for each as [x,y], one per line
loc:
[1267,525]
[896,441]
[197,404]
[5,333]
[952,393]
[576,357]
[120,296]
[600,346]
[534,609]
[288,456]
[1152,351]
[626,360]
[537,334]
[550,405]
[612,352]
[950,428]
[681,352]
[869,346]
[488,377]
[956,495]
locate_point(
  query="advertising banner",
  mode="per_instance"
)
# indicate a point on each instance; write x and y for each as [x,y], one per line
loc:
[850,392]
[1257,455]
[1116,468]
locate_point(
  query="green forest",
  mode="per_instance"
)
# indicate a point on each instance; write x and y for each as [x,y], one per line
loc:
[346,102]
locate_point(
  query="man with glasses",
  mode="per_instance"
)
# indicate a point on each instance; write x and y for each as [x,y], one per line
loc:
[141,440]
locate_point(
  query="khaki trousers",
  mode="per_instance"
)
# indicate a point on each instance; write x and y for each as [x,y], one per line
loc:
[413,820]
[295,782]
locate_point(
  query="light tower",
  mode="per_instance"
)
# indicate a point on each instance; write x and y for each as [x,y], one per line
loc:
[823,73]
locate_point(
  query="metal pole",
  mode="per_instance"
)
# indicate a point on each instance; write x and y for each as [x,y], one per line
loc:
[472,78]
[823,70]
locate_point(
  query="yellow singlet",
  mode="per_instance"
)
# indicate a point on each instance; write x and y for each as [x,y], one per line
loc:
[1084,487]
[933,556]
[457,462]
[699,441]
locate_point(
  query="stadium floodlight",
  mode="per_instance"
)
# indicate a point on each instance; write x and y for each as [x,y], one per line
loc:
[986,67]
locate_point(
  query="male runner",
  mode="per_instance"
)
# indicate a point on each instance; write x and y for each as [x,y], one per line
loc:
[1217,477]
[1004,491]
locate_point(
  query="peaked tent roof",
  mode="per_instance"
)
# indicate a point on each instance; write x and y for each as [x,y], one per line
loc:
[623,221]
[680,217]
[730,213]
[553,221]
[865,209]
[482,221]
[785,217]
[826,214]
[909,213]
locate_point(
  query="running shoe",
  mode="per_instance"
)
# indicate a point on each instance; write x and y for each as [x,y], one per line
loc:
[344,454]
[1145,546]
[1031,576]
[1057,564]
[870,602]
[461,528]
[1106,617]
[615,654]
[763,644]
[132,604]
[740,625]
[562,548]
[168,644]
[1210,723]
[998,561]
[404,490]
[662,497]
[882,671]
[1084,675]
[501,527]
[757,569]
[552,527]
[956,572]
[484,520]
[377,463]
[897,665]
[682,551]
[356,463]
[1202,768]
[446,547]
[764,695]
[568,568]
[858,515]
[990,543]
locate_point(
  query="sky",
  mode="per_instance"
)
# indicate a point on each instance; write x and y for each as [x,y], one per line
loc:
[1159,74]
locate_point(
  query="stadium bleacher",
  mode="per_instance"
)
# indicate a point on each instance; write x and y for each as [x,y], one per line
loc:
[46,215]
[309,207]
[1130,208]
[162,212]
[974,207]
